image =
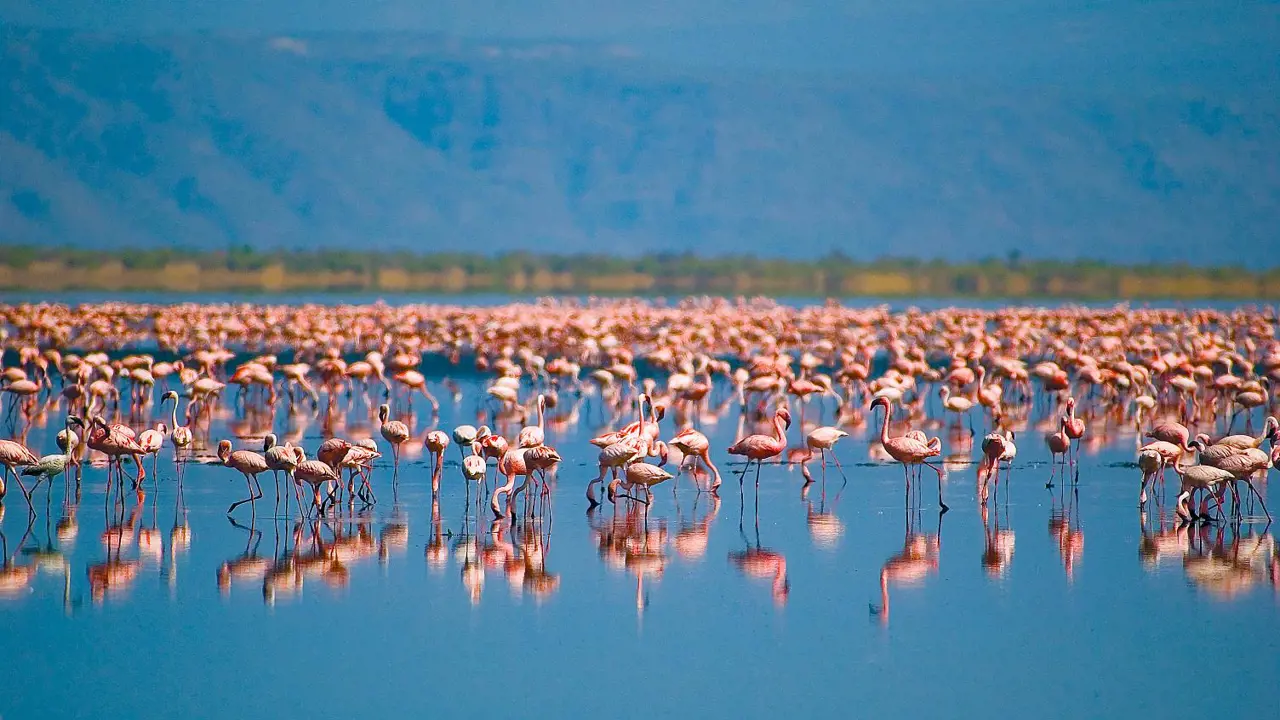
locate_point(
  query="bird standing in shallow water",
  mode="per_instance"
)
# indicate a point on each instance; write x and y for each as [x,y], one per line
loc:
[1074,428]
[437,441]
[248,463]
[394,432]
[1059,445]
[909,449]
[694,444]
[51,466]
[823,439]
[758,448]
[14,455]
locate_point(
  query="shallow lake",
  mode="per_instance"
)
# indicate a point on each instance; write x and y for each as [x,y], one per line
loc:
[1054,602]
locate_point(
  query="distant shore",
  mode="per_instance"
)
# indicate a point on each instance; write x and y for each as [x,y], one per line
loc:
[184,271]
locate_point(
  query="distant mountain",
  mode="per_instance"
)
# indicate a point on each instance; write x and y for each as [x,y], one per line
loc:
[428,143]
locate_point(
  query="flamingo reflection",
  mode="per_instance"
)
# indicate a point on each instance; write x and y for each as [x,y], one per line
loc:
[918,558]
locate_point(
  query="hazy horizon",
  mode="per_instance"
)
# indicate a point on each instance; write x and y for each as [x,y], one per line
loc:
[1165,39]
[1136,131]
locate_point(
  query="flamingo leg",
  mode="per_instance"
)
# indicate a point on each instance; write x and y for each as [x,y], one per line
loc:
[938,470]
[758,464]
[839,467]
[1261,502]
[248,481]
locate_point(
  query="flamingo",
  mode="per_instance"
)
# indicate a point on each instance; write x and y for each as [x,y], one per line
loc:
[1150,462]
[512,464]
[1074,428]
[437,441]
[152,440]
[394,432]
[116,441]
[956,404]
[1171,432]
[1245,442]
[822,439]
[315,473]
[179,435]
[414,380]
[49,466]
[281,458]
[692,443]
[359,459]
[1200,477]
[247,463]
[14,455]
[996,448]
[533,435]
[909,449]
[473,465]
[643,474]
[758,448]
[1059,445]
[463,436]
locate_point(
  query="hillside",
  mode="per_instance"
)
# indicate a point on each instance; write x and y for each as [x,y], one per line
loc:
[426,143]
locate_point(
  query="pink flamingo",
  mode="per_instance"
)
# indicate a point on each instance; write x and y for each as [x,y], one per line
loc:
[152,440]
[116,441]
[1171,432]
[534,435]
[247,463]
[759,448]
[436,442]
[394,432]
[694,444]
[909,449]
[314,473]
[15,455]
[1074,428]
[512,464]
[1059,445]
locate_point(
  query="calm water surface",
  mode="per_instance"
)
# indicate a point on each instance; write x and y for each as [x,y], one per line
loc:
[1055,603]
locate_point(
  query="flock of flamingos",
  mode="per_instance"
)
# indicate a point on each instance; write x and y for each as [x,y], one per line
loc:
[130,384]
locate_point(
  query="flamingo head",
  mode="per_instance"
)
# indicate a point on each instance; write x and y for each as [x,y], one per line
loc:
[170,395]
[224,449]
[269,442]
[785,414]
[384,412]
[880,402]
[75,420]
[1071,404]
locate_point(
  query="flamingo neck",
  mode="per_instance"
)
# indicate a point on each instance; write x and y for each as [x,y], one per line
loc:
[884,426]
[640,407]
[779,433]
[542,405]
[66,425]
[174,415]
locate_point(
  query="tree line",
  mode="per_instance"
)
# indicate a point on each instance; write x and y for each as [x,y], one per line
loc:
[245,269]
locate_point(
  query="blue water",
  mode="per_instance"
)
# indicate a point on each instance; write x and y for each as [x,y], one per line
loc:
[654,624]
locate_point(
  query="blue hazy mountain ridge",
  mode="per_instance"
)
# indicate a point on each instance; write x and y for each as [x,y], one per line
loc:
[428,142]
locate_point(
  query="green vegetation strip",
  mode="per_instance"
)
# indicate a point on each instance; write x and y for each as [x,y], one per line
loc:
[242,269]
